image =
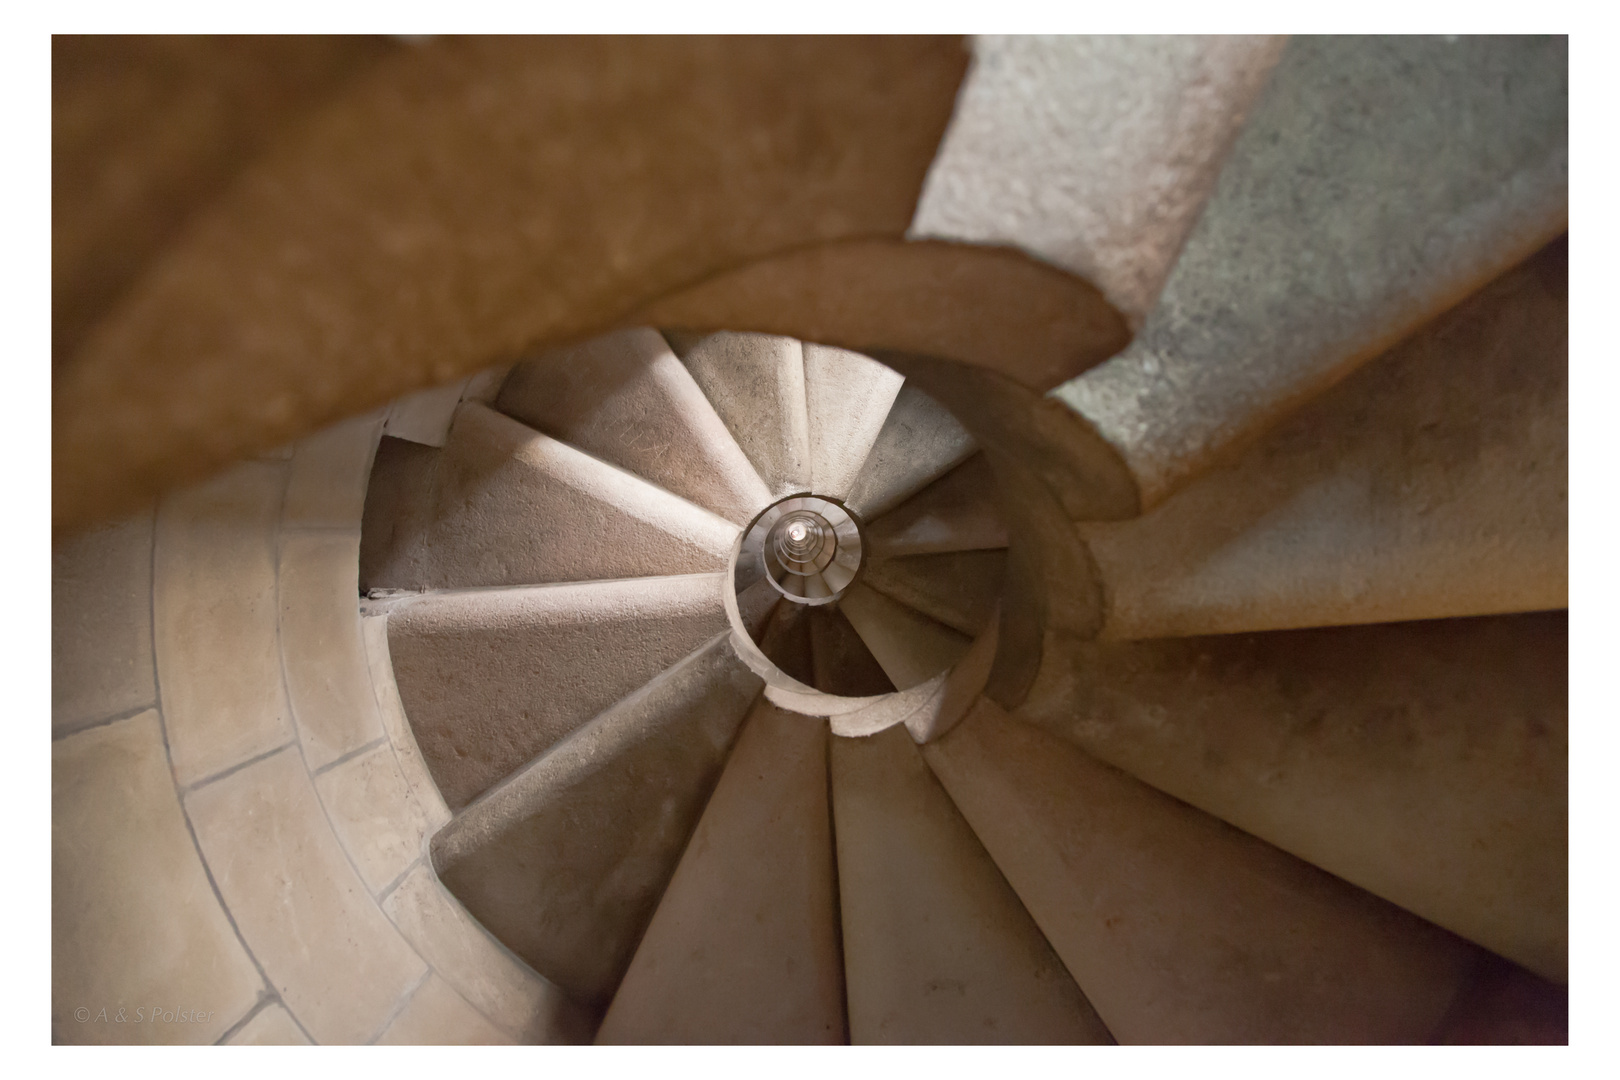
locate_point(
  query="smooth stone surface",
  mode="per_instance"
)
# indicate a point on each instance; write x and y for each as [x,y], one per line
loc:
[1179,928]
[273,1025]
[327,949]
[1093,152]
[1426,762]
[101,624]
[910,646]
[490,679]
[374,815]
[626,399]
[438,1016]
[487,975]
[937,947]
[756,383]
[920,442]
[744,946]
[134,921]
[1377,181]
[958,588]
[328,678]
[848,398]
[215,621]
[326,483]
[1432,483]
[407,754]
[424,417]
[957,512]
[510,506]
[565,861]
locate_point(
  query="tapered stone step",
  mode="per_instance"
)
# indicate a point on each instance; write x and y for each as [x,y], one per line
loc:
[1178,927]
[626,399]
[843,664]
[756,384]
[848,398]
[1425,762]
[502,504]
[1432,483]
[959,588]
[937,947]
[920,442]
[491,677]
[1377,181]
[957,512]
[565,861]
[744,946]
[786,642]
[910,647]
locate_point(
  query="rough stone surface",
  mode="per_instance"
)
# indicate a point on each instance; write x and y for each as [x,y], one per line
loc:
[272,1025]
[909,645]
[1179,928]
[487,975]
[565,861]
[489,679]
[957,512]
[215,621]
[937,947]
[1425,762]
[1378,181]
[134,922]
[744,946]
[1095,153]
[626,399]
[326,484]
[756,384]
[1432,483]
[959,588]
[510,506]
[920,442]
[374,814]
[326,947]
[327,673]
[101,624]
[848,397]
[438,1016]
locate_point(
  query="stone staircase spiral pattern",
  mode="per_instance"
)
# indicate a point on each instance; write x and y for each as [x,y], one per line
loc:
[730,682]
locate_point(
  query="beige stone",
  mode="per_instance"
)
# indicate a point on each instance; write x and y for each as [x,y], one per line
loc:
[215,621]
[134,922]
[957,512]
[438,1016]
[326,486]
[756,384]
[479,968]
[848,398]
[101,624]
[328,950]
[407,755]
[328,676]
[424,417]
[272,1025]
[744,946]
[910,646]
[375,815]
[957,588]
[920,441]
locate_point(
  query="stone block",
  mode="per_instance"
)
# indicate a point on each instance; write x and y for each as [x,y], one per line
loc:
[374,814]
[101,624]
[273,1025]
[437,1016]
[327,483]
[414,770]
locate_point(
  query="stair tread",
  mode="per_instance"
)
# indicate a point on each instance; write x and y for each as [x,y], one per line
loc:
[491,677]
[910,647]
[937,947]
[920,441]
[957,512]
[847,398]
[842,662]
[744,946]
[957,588]
[564,862]
[756,385]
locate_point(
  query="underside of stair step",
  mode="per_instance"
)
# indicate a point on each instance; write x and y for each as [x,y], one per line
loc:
[756,384]
[848,397]
[957,512]
[959,589]
[920,441]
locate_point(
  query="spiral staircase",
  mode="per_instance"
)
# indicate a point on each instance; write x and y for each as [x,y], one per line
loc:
[873,639]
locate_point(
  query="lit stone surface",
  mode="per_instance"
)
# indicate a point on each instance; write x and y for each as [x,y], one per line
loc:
[407,755]
[756,384]
[273,1025]
[324,944]
[215,619]
[848,398]
[957,512]
[424,417]
[326,484]
[920,442]
[438,1016]
[375,815]
[134,922]
[101,624]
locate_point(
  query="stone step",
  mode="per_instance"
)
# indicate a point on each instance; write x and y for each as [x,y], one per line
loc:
[910,647]
[492,677]
[958,588]
[843,664]
[626,399]
[1426,762]
[1377,181]
[1178,927]
[847,396]
[957,512]
[786,642]
[920,442]
[937,947]
[1432,483]
[756,384]
[744,946]
[502,504]
[564,862]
